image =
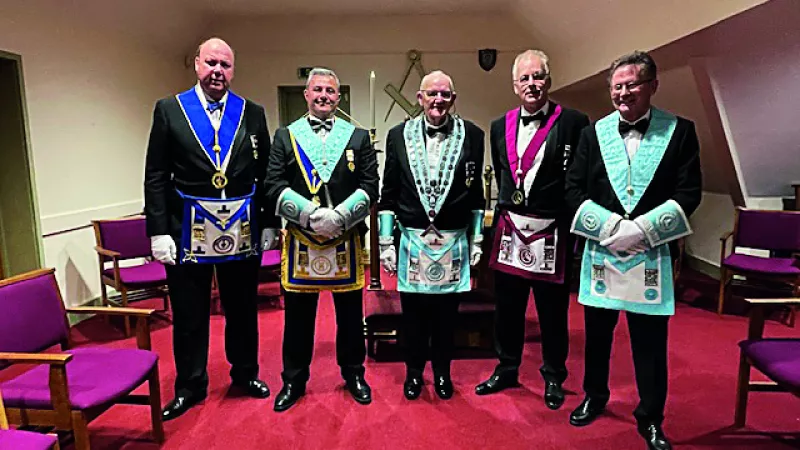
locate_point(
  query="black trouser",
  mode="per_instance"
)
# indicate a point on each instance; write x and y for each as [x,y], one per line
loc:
[298,334]
[190,294]
[649,347]
[429,318]
[552,305]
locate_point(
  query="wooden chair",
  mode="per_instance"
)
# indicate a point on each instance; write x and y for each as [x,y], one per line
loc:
[778,359]
[67,390]
[126,239]
[775,231]
[24,440]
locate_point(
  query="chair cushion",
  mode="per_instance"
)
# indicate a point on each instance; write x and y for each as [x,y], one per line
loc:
[271,258]
[95,376]
[144,275]
[26,440]
[779,359]
[770,266]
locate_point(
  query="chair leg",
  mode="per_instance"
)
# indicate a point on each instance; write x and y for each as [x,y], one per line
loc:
[723,284]
[742,392]
[80,431]
[126,321]
[155,406]
[104,296]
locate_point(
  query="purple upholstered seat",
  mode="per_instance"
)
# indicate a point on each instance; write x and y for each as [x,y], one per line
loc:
[150,274]
[95,376]
[749,263]
[779,359]
[26,440]
[271,258]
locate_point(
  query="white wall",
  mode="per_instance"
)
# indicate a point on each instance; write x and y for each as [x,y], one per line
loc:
[90,95]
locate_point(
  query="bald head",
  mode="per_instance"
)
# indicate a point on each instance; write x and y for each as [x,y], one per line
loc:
[213,65]
[436,96]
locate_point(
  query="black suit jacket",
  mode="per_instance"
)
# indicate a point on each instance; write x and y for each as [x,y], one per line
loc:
[678,176]
[283,171]
[175,160]
[400,193]
[546,196]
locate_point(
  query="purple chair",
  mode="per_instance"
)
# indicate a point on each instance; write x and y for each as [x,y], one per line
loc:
[123,239]
[778,359]
[67,390]
[776,231]
[23,440]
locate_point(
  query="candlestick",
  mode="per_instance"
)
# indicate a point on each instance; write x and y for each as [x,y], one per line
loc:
[372,100]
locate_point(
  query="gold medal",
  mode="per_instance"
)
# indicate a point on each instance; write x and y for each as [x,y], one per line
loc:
[352,166]
[315,199]
[517,197]
[219,180]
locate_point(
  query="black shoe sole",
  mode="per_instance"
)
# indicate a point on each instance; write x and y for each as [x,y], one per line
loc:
[192,404]
[584,422]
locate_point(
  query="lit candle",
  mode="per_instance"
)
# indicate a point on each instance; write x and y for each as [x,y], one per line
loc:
[372,100]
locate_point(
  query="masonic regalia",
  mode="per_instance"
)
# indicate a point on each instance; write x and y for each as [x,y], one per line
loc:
[529,247]
[217,230]
[640,283]
[431,263]
[311,263]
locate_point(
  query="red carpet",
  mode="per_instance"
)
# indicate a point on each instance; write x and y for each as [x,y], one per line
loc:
[703,364]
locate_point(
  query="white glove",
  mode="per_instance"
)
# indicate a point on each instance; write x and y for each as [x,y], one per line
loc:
[269,239]
[163,248]
[327,222]
[389,258]
[475,253]
[627,238]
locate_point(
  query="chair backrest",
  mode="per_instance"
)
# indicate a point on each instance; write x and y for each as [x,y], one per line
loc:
[33,317]
[126,236]
[768,230]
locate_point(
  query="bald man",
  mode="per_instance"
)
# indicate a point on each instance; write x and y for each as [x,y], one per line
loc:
[431,209]
[206,164]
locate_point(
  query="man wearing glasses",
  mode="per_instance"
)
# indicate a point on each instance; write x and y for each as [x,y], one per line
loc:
[531,150]
[433,194]
[634,182]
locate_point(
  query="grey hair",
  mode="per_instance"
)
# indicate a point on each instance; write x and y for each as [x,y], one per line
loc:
[430,75]
[322,72]
[643,60]
[527,54]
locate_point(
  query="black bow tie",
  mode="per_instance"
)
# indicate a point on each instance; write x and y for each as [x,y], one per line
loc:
[213,106]
[444,129]
[640,126]
[317,124]
[540,116]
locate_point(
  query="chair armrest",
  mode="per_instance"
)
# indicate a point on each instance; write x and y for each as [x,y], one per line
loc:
[142,320]
[723,243]
[111,311]
[53,359]
[106,252]
[726,236]
[756,324]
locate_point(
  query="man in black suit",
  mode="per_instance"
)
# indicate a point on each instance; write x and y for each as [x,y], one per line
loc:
[432,188]
[531,150]
[322,177]
[206,163]
[634,182]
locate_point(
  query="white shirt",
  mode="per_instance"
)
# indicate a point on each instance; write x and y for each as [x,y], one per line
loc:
[633,139]
[322,133]
[525,135]
[216,116]
[433,147]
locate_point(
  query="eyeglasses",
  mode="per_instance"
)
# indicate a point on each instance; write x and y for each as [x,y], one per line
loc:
[632,86]
[446,95]
[536,76]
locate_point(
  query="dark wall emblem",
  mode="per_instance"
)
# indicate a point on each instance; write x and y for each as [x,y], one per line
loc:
[487,58]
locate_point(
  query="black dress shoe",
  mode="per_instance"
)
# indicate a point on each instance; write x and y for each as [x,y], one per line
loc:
[359,389]
[289,394]
[586,412]
[254,388]
[654,436]
[443,387]
[497,383]
[179,405]
[412,388]
[553,395]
